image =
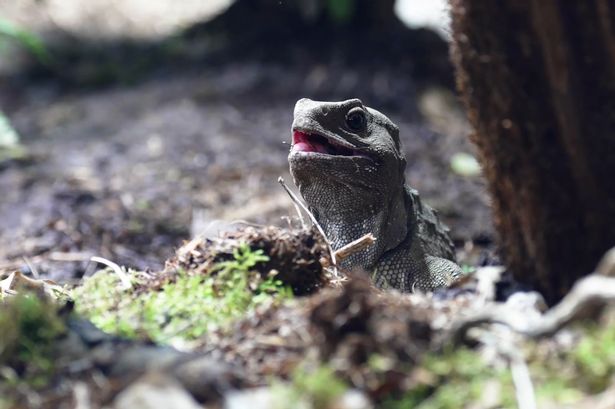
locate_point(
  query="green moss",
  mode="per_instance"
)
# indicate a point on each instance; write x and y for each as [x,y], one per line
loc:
[185,308]
[594,358]
[586,369]
[317,387]
[5,403]
[456,378]
[28,325]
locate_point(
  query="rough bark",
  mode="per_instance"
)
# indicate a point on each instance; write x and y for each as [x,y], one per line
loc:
[538,81]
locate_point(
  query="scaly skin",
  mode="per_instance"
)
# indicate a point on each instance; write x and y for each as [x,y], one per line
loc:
[347,163]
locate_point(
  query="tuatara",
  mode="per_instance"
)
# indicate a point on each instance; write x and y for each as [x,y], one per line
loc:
[347,162]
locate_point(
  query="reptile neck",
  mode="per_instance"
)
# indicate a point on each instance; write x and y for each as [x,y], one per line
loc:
[389,224]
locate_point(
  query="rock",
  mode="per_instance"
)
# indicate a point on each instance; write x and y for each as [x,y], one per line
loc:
[154,391]
[266,398]
[207,379]
[257,398]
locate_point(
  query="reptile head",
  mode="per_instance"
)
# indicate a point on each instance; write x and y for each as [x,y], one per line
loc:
[344,147]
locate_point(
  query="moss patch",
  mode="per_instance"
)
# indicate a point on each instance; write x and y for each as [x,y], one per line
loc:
[183,308]
[29,325]
[461,377]
[310,387]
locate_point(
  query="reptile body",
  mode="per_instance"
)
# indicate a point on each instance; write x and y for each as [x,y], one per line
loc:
[347,162]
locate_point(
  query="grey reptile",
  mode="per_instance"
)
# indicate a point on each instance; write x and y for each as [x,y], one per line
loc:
[347,162]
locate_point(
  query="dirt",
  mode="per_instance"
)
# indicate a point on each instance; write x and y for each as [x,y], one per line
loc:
[294,257]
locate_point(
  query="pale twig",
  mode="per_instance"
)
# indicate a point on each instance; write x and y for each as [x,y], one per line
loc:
[55,256]
[126,284]
[506,346]
[353,247]
[33,269]
[298,202]
[81,396]
[69,256]
[524,388]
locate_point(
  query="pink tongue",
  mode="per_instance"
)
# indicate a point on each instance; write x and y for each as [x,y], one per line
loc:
[302,143]
[302,147]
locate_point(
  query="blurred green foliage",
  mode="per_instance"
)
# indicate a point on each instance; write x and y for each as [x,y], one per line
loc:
[12,32]
[310,388]
[340,11]
[29,325]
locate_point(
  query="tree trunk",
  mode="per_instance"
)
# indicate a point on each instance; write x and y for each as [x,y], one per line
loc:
[538,81]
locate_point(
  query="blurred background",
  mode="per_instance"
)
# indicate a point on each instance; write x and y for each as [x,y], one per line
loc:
[126,126]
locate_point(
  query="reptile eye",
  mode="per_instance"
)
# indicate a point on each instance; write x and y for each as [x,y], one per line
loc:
[356,120]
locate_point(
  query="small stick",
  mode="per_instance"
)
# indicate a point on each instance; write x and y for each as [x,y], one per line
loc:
[298,202]
[355,246]
[524,388]
[33,269]
[295,201]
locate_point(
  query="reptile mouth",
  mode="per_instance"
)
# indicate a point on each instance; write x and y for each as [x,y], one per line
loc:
[314,143]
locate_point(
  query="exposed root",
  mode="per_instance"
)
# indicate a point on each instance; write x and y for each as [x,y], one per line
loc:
[590,292]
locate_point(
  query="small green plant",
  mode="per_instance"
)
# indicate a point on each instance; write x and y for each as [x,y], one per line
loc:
[28,325]
[27,39]
[185,308]
[316,388]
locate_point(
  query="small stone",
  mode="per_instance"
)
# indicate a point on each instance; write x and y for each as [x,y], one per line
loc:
[155,390]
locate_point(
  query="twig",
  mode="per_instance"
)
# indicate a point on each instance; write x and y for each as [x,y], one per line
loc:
[33,269]
[295,200]
[298,202]
[69,256]
[81,395]
[524,389]
[591,291]
[354,247]
[56,256]
[126,284]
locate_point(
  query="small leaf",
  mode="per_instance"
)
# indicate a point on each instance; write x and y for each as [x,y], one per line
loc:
[465,164]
